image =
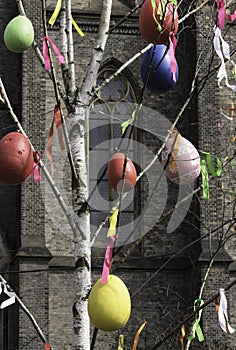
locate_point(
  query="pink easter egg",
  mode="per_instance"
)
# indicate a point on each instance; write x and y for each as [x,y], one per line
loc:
[184,163]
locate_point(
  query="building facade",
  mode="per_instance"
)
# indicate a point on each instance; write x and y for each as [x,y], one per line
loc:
[166,270]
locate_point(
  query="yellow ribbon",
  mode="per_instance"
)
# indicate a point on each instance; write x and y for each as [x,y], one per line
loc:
[181,338]
[121,342]
[113,222]
[136,338]
[77,28]
[153,2]
[162,8]
[55,14]
[175,140]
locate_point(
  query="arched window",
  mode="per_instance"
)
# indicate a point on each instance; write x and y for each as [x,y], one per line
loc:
[114,103]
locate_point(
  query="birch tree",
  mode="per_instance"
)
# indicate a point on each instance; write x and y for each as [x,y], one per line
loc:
[77,125]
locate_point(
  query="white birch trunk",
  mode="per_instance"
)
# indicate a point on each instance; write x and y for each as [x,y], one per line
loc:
[77,126]
[82,245]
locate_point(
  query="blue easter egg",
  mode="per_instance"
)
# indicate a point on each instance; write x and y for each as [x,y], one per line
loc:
[161,78]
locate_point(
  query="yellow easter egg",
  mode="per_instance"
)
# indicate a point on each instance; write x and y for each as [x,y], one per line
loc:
[109,305]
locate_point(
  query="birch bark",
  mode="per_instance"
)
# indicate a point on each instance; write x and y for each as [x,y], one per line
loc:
[77,124]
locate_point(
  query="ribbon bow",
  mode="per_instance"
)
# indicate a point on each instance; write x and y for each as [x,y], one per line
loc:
[196,326]
[222,313]
[12,296]
[222,53]
[47,62]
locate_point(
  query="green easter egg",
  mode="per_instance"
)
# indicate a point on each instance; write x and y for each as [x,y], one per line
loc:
[19,34]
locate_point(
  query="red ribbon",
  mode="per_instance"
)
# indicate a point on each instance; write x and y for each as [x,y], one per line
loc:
[47,62]
[57,120]
[107,259]
[46,346]
[173,44]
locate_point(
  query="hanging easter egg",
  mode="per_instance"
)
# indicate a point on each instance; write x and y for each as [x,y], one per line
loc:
[183,165]
[164,15]
[17,160]
[19,34]
[109,305]
[160,78]
[115,170]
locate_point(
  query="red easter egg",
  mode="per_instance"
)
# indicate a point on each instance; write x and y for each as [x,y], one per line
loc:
[115,171]
[184,164]
[148,26]
[16,160]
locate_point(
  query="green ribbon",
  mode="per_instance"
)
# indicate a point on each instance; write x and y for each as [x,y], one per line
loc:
[174,2]
[196,326]
[125,124]
[153,2]
[231,165]
[205,179]
[207,162]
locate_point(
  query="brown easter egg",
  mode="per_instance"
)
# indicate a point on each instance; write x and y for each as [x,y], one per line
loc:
[115,170]
[16,158]
[165,14]
[184,163]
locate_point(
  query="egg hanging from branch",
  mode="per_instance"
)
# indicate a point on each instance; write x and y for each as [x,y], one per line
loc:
[160,77]
[115,173]
[109,305]
[19,34]
[180,160]
[17,159]
[157,19]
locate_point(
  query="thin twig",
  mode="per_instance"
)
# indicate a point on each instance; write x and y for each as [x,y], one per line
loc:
[193,11]
[27,312]
[189,317]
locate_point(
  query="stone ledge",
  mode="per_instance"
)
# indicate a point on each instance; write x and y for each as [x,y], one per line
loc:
[205,256]
[59,261]
[142,264]
[33,253]
[232,267]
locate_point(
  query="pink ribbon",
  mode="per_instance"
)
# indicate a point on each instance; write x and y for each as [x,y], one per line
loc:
[107,259]
[35,171]
[222,14]
[219,124]
[173,44]
[37,157]
[47,63]
[231,17]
